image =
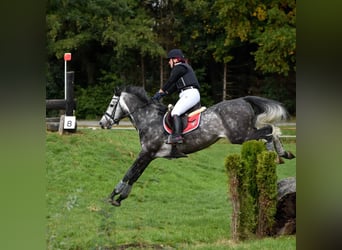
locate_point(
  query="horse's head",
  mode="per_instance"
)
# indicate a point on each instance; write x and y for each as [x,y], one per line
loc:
[125,102]
[113,113]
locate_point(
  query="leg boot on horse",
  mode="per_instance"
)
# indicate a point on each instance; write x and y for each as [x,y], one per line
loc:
[176,136]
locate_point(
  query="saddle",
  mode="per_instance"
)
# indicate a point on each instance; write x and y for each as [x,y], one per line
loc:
[190,119]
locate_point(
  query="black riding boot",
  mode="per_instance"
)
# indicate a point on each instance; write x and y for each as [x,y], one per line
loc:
[176,137]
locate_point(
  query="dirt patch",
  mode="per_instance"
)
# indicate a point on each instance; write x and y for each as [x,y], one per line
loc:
[143,246]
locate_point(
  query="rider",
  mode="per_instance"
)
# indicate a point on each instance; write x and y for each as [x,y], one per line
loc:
[182,79]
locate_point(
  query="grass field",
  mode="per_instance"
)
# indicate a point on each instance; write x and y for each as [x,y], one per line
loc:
[176,204]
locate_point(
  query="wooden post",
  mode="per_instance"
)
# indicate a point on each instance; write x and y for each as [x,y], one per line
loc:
[224,92]
[161,79]
[70,104]
[55,104]
[61,125]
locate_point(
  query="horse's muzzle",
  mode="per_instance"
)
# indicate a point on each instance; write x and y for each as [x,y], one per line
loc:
[103,126]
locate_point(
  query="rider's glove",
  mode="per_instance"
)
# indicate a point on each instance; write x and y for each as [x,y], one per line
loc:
[158,96]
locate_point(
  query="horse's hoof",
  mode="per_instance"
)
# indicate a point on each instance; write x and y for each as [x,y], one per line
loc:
[288,155]
[116,203]
[279,160]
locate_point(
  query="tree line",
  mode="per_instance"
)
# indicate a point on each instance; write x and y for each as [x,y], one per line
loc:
[236,47]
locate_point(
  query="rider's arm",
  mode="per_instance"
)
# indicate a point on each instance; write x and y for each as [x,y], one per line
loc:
[170,86]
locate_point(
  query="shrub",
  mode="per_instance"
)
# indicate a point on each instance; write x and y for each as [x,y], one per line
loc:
[266,179]
[93,101]
[253,190]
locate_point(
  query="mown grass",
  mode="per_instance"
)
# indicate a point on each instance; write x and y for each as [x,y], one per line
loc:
[176,204]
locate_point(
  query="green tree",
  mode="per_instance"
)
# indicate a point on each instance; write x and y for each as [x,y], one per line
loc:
[248,43]
[100,33]
[270,25]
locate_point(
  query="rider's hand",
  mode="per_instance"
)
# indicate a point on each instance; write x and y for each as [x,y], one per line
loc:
[158,96]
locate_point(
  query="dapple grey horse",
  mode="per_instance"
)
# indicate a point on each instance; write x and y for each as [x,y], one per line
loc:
[238,120]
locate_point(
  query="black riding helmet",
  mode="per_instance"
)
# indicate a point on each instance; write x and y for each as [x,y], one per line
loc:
[175,53]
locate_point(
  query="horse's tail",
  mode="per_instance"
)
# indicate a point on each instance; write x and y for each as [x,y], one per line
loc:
[267,111]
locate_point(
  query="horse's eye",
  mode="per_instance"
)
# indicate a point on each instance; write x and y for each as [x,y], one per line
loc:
[112,105]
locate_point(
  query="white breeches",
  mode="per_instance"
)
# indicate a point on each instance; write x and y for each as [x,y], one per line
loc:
[187,99]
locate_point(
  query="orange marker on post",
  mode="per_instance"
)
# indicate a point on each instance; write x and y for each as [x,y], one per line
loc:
[67,57]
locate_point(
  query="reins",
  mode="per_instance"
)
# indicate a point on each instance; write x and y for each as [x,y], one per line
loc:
[145,105]
[111,116]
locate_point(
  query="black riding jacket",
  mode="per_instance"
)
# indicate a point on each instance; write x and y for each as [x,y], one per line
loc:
[182,76]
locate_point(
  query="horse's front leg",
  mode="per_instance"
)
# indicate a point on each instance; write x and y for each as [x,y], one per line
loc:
[124,187]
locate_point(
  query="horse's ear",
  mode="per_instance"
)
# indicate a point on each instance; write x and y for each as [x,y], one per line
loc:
[117,91]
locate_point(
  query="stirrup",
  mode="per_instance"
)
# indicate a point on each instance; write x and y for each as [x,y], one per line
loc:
[175,153]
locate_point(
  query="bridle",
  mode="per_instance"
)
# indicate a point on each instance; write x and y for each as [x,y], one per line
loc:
[110,117]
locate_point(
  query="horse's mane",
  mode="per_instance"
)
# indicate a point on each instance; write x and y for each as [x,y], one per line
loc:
[142,95]
[137,91]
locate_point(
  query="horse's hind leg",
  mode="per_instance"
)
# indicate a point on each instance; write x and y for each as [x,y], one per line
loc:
[280,149]
[261,133]
[273,142]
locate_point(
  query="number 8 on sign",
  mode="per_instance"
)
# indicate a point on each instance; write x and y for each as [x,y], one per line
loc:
[69,122]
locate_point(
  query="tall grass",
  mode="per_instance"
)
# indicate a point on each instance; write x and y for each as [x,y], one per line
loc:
[176,204]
